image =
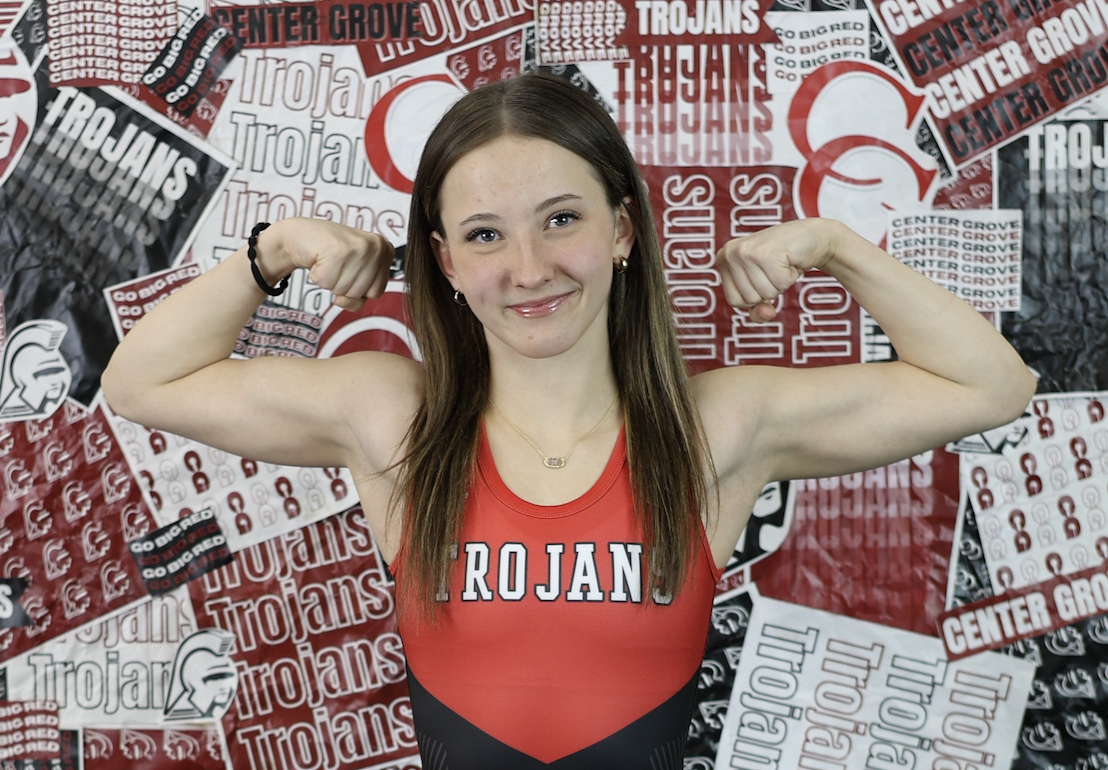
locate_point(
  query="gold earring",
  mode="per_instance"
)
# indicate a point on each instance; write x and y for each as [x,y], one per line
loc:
[621,266]
[460,299]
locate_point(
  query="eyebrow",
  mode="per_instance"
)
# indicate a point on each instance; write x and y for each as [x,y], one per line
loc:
[486,217]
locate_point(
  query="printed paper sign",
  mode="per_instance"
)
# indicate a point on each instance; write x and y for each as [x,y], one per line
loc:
[252,501]
[730,620]
[105,42]
[12,613]
[1056,176]
[1041,503]
[68,506]
[974,254]
[610,29]
[1018,614]
[129,301]
[117,671]
[861,544]
[173,555]
[698,211]
[703,104]
[35,378]
[320,666]
[993,70]
[178,748]
[387,35]
[18,105]
[29,731]
[825,691]
[187,68]
[102,194]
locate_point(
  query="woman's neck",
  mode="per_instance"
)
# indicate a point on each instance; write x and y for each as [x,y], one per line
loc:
[553,398]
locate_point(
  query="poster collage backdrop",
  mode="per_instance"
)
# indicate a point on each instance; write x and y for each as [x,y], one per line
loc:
[166,604]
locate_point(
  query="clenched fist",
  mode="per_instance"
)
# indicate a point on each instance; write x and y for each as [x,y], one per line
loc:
[758,268]
[352,264]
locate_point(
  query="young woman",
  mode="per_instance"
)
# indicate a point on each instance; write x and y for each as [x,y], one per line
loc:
[554,495]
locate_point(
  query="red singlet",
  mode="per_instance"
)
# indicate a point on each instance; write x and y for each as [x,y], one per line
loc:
[546,654]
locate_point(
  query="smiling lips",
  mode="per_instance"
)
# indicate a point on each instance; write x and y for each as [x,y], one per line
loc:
[540,307]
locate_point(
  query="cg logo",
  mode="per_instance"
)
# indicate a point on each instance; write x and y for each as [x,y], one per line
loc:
[859,164]
[399,124]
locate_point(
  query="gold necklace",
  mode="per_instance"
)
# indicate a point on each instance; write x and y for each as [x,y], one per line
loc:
[554,462]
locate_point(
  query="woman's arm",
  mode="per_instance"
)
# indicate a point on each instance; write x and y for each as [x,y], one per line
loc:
[172,370]
[955,374]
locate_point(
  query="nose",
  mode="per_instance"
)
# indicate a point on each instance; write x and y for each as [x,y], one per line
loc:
[531,266]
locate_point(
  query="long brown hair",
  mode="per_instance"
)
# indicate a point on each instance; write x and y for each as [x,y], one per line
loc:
[667,453]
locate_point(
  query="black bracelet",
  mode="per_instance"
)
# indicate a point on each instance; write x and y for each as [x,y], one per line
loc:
[251,251]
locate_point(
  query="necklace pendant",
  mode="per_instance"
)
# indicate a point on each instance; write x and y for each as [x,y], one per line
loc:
[554,462]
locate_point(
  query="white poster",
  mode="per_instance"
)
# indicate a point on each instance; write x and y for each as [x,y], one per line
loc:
[822,692]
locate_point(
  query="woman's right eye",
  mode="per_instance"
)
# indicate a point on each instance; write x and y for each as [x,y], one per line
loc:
[482,235]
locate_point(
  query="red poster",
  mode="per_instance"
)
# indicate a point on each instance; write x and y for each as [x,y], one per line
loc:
[993,69]
[68,506]
[322,680]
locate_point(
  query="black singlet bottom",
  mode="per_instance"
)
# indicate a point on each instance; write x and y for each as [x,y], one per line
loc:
[655,741]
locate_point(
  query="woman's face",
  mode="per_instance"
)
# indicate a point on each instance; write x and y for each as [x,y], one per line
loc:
[530,239]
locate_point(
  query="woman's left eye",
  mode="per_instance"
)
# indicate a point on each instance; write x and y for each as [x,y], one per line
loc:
[563,218]
[482,235]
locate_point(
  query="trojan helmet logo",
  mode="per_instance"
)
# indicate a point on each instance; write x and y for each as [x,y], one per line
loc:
[97,443]
[18,106]
[178,746]
[713,712]
[1027,649]
[135,745]
[204,677]
[35,379]
[39,614]
[1039,697]
[75,599]
[486,58]
[730,620]
[1086,726]
[733,655]
[16,567]
[75,501]
[1042,737]
[7,440]
[17,479]
[869,163]
[769,524]
[1075,683]
[56,461]
[212,745]
[95,541]
[56,560]
[513,47]
[37,521]
[7,539]
[97,745]
[1098,761]
[135,522]
[115,481]
[37,430]
[114,582]
[712,672]
[1065,641]
[72,411]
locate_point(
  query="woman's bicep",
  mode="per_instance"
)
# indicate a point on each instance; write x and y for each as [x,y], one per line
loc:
[288,411]
[828,421]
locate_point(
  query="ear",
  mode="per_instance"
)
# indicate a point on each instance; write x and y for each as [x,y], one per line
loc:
[625,233]
[441,250]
